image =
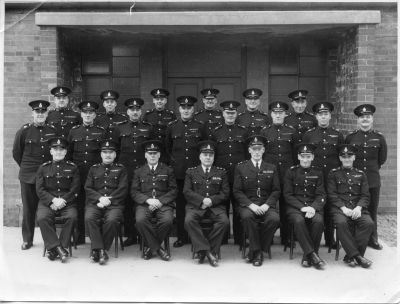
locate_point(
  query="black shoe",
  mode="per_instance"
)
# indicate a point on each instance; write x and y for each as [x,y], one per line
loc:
[363,262]
[147,254]
[375,245]
[130,241]
[94,256]
[258,259]
[163,254]
[250,257]
[26,245]
[103,257]
[305,261]
[212,259]
[178,243]
[202,255]
[315,260]
[349,261]
[62,254]
[52,254]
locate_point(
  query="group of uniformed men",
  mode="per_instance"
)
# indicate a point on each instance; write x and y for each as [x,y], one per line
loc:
[283,170]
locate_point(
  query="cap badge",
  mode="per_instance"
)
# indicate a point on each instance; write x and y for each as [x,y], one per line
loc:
[208,147]
[300,95]
[61,90]
[364,109]
[305,148]
[252,93]
[209,92]
[278,105]
[88,104]
[255,139]
[58,142]
[322,106]
[345,150]
[107,144]
[109,94]
[40,105]
[231,105]
[152,146]
[134,102]
[186,100]
[158,91]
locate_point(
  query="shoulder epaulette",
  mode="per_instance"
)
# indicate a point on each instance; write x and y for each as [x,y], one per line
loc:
[294,167]
[309,113]
[358,170]
[240,126]
[47,163]
[100,127]
[170,111]
[96,165]
[377,132]
[194,119]
[51,126]
[335,129]
[120,122]
[76,126]
[70,163]
[26,125]
[143,122]
[118,165]
[198,112]
[220,168]
[291,127]
[191,168]
[242,162]
[353,132]
[312,129]
[218,127]
[172,122]
[148,111]
[335,169]
[240,114]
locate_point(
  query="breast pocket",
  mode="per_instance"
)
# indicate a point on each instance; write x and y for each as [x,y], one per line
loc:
[50,182]
[29,145]
[249,182]
[355,185]
[162,182]
[342,185]
[78,144]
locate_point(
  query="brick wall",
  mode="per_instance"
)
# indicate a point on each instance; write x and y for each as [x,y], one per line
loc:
[366,73]
[30,67]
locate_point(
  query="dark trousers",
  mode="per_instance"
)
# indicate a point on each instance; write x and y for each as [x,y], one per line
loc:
[237,226]
[308,231]
[259,229]
[154,234]
[328,234]
[214,239]
[283,219]
[80,206]
[30,202]
[353,234]
[129,219]
[46,220]
[373,211]
[102,237]
[180,212]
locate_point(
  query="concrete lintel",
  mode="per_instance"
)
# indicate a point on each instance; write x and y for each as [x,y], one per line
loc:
[208,18]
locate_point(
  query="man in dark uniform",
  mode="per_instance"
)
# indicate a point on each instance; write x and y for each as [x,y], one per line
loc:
[300,119]
[349,197]
[280,152]
[206,190]
[327,141]
[305,195]
[160,117]
[30,150]
[230,138]
[110,119]
[181,141]
[154,190]
[252,118]
[257,190]
[370,156]
[57,186]
[84,151]
[106,188]
[132,134]
[62,118]
[209,116]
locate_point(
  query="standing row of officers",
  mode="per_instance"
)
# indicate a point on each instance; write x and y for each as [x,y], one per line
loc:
[178,146]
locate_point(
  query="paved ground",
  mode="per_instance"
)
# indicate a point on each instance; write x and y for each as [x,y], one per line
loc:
[27,276]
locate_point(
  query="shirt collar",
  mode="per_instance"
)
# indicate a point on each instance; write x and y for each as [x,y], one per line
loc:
[255,164]
[154,166]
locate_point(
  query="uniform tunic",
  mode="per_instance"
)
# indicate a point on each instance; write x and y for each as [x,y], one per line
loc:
[254,121]
[160,184]
[349,187]
[301,122]
[63,120]
[109,121]
[30,150]
[109,180]
[210,118]
[57,179]
[253,186]
[305,187]
[199,185]
[159,120]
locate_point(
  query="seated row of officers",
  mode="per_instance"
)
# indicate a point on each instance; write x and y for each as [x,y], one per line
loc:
[179,149]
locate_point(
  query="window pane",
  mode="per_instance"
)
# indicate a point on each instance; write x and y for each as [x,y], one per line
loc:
[126,66]
[313,66]
[127,85]
[96,67]
[283,60]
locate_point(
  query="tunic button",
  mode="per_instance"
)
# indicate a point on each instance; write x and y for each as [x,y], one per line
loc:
[85,161]
[230,154]
[58,190]
[85,152]
[187,157]
[58,182]
[134,151]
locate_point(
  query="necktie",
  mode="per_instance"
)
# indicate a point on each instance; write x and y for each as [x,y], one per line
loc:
[207,171]
[152,169]
[258,166]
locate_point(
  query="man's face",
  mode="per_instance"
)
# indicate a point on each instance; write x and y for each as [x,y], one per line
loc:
[58,153]
[152,157]
[61,101]
[256,152]
[39,116]
[252,104]
[347,160]
[88,116]
[206,158]
[278,117]
[210,103]
[160,103]
[229,116]
[305,159]
[323,118]
[134,113]
[108,156]
[365,121]
[110,105]
[186,112]
[299,105]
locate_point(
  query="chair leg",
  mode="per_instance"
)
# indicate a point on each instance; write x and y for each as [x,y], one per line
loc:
[44,250]
[121,233]
[291,241]
[166,244]
[269,252]
[142,246]
[337,248]
[243,245]
[116,244]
